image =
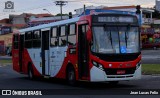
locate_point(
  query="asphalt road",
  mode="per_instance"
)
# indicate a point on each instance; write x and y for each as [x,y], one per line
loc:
[10,79]
[5,57]
[150,56]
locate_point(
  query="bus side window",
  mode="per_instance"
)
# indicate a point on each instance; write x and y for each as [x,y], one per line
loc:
[54,37]
[72,34]
[62,36]
[16,40]
[36,39]
[28,40]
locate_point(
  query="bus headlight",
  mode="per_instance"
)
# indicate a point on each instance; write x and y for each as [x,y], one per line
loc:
[98,65]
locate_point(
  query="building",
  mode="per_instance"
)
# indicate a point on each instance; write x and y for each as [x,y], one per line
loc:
[21,21]
[158,5]
[45,20]
[5,35]
[12,24]
[81,10]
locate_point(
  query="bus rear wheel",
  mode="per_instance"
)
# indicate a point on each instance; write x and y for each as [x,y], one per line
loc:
[71,77]
[30,72]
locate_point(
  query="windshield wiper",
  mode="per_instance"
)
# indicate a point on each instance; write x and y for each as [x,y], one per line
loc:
[110,38]
[108,35]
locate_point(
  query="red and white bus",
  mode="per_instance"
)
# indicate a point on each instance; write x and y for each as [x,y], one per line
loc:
[95,48]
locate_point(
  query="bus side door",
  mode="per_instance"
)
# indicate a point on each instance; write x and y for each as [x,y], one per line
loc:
[45,51]
[83,57]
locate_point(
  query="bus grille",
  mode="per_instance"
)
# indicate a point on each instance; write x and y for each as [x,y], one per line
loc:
[113,71]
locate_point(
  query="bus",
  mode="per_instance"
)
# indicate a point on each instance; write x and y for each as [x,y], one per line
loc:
[100,47]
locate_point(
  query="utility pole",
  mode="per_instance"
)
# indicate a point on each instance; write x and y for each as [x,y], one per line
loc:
[84,9]
[61,3]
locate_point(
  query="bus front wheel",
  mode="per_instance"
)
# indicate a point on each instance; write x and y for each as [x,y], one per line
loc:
[71,77]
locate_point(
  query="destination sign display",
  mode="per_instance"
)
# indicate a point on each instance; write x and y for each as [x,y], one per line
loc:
[115,19]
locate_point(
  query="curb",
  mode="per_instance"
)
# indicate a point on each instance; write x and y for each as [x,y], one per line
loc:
[5,64]
[155,74]
[151,74]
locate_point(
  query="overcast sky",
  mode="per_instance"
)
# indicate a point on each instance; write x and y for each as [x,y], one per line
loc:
[37,6]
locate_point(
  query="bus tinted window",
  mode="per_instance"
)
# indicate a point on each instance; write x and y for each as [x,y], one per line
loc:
[28,35]
[72,29]
[54,41]
[62,37]
[72,34]
[62,41]
[36,39]
[63,31]
[54,37]
[28,40]
[36,35]
[15,39]
[54,32]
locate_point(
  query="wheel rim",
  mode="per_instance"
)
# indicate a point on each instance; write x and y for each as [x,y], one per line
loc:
[71,76]
[30,74]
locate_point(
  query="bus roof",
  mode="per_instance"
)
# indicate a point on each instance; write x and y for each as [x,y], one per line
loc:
[52,24]
[49,25]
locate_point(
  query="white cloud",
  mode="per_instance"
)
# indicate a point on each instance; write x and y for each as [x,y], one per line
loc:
[26,5]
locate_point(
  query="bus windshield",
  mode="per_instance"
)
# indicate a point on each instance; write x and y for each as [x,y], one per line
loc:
[109,40]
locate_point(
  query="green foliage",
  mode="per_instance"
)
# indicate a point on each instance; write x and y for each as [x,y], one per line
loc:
[5,61]
[151,68]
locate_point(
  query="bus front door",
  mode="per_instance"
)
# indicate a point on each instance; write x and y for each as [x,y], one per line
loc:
[83,57]
[45,52]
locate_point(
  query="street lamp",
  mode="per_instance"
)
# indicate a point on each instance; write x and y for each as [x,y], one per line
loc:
[47,11]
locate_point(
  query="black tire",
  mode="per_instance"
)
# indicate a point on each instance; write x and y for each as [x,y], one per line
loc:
[30,72]
[113,82]
[71,77]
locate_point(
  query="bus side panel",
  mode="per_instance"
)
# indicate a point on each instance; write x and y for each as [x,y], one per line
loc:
[57,58]
[70,58]
[27,59]
[15,59]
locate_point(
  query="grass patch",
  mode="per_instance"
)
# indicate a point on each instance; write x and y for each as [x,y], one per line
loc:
[5,61]
[151,68]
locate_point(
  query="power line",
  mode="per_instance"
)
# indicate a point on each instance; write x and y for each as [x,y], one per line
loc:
[61,4]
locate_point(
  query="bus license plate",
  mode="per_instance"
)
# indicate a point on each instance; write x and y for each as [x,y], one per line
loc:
[121,71]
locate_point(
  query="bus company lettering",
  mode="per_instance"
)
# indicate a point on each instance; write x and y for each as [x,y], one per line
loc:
[14,92]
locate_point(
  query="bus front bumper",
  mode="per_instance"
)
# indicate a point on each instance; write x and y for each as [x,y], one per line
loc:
[98,75]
